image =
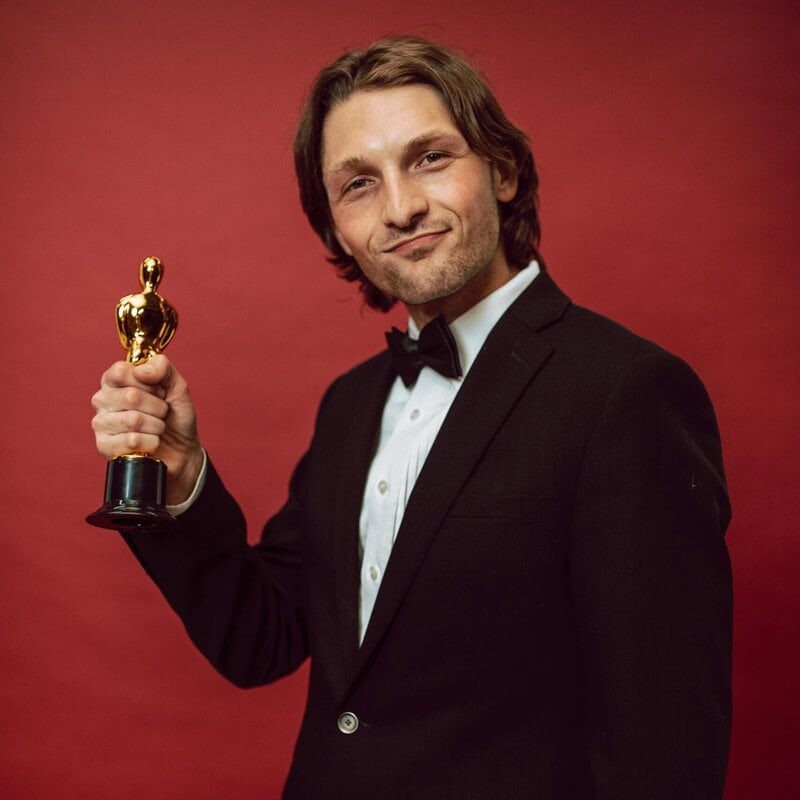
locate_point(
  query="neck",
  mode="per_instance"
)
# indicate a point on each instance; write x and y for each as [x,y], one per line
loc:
[491,277]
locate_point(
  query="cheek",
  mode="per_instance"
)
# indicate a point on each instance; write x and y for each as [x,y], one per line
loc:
[352,232]
[468,198]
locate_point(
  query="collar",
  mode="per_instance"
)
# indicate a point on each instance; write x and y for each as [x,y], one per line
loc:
[471,329]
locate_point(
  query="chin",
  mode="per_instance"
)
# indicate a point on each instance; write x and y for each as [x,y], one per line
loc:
[415,295]
[417,298]
[416,286]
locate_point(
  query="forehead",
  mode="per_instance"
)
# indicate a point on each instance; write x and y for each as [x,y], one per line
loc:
[378,122]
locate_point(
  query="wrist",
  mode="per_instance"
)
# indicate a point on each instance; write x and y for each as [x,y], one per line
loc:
[181,484]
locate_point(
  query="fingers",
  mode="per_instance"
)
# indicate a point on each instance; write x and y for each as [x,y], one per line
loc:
[159,376]
[158,371]
[130,412]
[155,376]
[113,423]
[145,408]
[176,392]
[123,444]
[110,399]
[119,432]
[121,374]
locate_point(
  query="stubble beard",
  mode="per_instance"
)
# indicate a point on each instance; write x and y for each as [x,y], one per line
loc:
[432,274]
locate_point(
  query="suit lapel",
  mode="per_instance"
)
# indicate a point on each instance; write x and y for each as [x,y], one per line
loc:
[512,354]
[357,451]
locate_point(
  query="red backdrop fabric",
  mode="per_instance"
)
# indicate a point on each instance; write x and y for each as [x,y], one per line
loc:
[666,137]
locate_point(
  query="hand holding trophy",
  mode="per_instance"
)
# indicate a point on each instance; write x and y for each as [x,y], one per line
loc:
[136,482]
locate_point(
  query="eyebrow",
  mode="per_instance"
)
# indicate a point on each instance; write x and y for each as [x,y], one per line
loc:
[358,163]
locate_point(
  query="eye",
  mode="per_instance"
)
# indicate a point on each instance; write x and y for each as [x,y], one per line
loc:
[355,185]
[432,158]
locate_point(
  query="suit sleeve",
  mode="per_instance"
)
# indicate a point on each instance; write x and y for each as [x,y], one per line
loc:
[242,606]
[651,584]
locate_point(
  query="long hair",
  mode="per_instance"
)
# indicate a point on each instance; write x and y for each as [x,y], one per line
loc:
[399,61]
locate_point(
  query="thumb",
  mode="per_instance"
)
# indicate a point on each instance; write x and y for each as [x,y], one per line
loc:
[160,372]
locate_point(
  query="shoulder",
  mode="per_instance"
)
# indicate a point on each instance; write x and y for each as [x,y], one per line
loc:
[648,407]
[357,384]
[598,337]
[604,354]
[588,351]
[363,374]
[641,391]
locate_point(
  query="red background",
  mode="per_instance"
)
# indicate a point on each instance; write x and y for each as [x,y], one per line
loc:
[666,135]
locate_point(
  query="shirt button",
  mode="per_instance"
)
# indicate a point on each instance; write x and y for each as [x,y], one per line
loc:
[414,414]
[373,573]
[382,487]
[347,722]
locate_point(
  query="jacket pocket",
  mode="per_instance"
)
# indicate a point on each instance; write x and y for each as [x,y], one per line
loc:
[496,506]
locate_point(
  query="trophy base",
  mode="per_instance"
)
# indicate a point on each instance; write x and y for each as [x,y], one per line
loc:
[125,517]
[134,498]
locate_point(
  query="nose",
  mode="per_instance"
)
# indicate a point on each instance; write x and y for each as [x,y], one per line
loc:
[404,201]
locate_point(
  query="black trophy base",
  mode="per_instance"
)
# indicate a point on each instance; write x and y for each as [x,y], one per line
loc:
[134,498]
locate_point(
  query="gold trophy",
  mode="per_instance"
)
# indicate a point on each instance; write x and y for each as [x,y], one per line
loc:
[136,483]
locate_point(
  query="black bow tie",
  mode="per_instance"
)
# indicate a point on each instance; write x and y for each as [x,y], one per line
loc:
[435,348]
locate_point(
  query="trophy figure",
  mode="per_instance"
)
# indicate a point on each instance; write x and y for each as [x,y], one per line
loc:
[136,482]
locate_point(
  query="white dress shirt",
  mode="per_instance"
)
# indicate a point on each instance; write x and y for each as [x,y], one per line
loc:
[411,421]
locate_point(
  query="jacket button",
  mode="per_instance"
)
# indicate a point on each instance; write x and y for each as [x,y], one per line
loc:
[347,722]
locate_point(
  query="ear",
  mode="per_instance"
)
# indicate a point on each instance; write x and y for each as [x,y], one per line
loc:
[342,242]
[504,178]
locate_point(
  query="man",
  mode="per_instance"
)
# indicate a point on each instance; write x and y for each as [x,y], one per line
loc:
[503,550]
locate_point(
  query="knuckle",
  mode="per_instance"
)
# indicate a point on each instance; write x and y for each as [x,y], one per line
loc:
[118,447]
[131,397]
[140,442]
[134,421]
[157,364]
[104,446]
[118,372]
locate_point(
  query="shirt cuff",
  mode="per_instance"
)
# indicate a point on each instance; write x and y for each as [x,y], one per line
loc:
[180,508]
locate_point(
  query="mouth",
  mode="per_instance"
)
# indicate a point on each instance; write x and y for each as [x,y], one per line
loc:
[420,241]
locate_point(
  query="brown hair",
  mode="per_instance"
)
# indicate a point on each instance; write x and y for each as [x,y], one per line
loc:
[398,61]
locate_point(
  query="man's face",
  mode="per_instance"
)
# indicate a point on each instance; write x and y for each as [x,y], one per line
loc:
[410,201]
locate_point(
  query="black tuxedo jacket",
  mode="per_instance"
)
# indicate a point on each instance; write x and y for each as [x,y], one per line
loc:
[555,618]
